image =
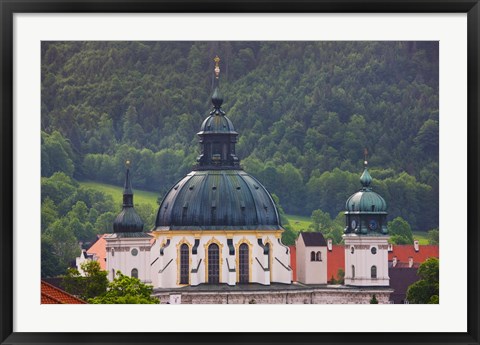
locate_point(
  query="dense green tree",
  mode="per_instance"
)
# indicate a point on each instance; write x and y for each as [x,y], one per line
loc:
[49,213]
[57,155]
[104,223]
[400,231]
[126,290]
[433,237]
[50,263]
[92,283]
[64,244]
[425,290]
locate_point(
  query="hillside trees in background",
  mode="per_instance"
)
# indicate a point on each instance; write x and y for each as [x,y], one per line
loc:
[304,111]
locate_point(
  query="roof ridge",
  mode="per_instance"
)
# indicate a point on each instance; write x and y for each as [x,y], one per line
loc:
[61,291]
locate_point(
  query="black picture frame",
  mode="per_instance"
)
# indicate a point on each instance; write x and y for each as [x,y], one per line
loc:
[9,7]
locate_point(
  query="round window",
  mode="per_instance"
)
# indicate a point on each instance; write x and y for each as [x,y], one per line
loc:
[134,252]
[374,250]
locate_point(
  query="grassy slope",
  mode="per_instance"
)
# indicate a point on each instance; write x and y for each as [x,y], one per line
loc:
[298,223]
[421,236]
[140,196]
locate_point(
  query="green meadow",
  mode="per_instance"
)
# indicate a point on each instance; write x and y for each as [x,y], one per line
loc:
[140,196]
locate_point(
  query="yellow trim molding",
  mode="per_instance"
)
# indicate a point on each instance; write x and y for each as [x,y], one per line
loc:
[228,233]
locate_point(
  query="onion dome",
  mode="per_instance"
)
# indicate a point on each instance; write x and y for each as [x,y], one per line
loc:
[366,211]
[366,200]
[217,194]
[128,220]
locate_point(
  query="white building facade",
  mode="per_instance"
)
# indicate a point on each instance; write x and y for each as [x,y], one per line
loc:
[311,258]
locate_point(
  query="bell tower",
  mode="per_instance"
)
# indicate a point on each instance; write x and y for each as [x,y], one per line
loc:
[366,236]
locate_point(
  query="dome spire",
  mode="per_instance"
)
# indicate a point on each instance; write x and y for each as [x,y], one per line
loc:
[365,179]
[127,187]
[127,220]
[217,98]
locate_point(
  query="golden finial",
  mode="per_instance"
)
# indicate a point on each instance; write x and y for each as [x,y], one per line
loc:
[217,67]
[127,163]
[365,153]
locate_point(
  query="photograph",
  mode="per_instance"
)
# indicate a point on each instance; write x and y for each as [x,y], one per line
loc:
[240,172]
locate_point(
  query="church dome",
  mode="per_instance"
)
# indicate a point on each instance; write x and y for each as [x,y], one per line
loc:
[218,194]
[217,123]
[128,220]
[217,199]
[366,200]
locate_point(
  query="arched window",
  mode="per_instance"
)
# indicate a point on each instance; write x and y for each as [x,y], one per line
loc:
[353,272]
[312,256]
[373,272]
[243,268]
[213,264]
[134,273]
[319,256]
[112,251]
[184,264]
[113,273]
[270,266]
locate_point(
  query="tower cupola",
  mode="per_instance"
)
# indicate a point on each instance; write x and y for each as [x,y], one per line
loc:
[366,211]
[127,220]
[217,134]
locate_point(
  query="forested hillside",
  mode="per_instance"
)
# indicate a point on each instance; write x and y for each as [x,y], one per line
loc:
[305,111]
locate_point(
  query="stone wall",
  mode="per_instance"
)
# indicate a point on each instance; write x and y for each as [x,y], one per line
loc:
[310,296]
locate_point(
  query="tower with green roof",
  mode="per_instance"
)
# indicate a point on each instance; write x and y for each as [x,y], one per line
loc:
[366,236]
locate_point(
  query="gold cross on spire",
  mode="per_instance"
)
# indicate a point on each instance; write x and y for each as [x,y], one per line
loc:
[217,67]
[365,152]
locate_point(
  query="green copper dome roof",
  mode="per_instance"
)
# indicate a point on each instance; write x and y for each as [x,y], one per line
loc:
[217,199]
[366,200]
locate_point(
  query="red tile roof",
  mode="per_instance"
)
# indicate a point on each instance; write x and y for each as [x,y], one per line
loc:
[403,252]
[53,295]
[99,249]
[293,261]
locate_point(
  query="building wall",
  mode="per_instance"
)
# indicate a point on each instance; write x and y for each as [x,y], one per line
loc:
[120,258]
[314,296]
[363,259]
[310,272]
[262,268]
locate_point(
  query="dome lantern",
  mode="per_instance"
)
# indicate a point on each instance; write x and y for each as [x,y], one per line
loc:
[217,134]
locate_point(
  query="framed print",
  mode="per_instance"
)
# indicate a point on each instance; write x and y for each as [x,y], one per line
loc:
[338,146]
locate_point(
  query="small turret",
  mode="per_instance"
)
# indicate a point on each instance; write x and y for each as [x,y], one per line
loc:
[128,220]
